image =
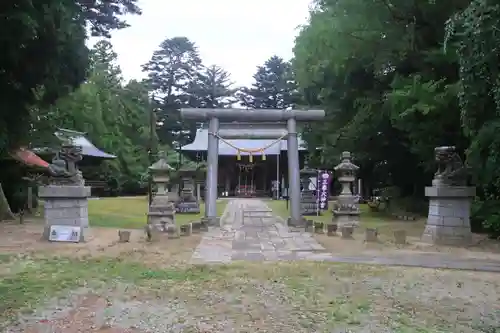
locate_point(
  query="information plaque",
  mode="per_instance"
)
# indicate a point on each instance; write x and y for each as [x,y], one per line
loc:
[64,233]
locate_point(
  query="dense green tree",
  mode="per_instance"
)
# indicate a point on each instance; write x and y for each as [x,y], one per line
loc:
[170,71]
[210,88]
[43,48]
[273,88]
[43,58]
[103,63]
[115,118]
[389,90]
[44,54]
[473,36]
[104,16]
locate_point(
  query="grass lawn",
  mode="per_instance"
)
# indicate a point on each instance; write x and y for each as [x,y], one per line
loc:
[119,295]
[383,223]
[130,212]
[147,287]
[386,225]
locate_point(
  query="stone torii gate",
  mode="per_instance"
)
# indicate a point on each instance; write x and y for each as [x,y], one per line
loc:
[285,124]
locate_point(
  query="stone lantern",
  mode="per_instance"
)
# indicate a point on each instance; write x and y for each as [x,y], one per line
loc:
[308,204]
[188,203]
[161,212]
[346,212]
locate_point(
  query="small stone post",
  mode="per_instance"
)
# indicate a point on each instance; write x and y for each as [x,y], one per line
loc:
[175,189]
[30,199]
[198,191]
[161,214]
[448,221]
[346,212]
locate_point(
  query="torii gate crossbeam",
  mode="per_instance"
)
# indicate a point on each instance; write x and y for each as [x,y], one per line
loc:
[257,115]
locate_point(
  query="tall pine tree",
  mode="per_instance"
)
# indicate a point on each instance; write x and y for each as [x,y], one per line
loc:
[273,88]
[211,88]
[171,69]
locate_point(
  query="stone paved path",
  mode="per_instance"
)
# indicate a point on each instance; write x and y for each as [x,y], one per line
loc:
[251,232]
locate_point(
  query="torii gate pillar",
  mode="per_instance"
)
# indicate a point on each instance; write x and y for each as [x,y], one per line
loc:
[212,168]
[291,117]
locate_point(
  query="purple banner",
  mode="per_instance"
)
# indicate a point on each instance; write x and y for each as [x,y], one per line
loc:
[323,187]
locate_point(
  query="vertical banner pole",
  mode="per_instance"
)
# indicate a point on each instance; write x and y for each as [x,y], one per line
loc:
[318,187]
[278,176]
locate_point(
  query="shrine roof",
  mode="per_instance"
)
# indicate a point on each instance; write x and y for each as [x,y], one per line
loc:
[200,143]
[88,149]
[78,139]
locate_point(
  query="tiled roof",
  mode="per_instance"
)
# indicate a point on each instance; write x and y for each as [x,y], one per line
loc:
[200,143]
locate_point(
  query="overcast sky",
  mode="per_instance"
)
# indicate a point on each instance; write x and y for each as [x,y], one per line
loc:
[238,35]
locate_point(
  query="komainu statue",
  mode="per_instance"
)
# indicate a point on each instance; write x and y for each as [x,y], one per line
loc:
[451,169]
[63,169]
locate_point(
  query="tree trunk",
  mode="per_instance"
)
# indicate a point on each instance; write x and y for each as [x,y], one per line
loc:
[5,212]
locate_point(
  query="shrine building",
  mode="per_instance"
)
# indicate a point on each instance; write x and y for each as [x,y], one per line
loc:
[247,167]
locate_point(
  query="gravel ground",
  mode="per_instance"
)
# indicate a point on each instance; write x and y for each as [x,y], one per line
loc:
[281,298]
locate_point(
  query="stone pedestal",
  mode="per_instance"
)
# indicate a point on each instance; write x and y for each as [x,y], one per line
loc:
[301,223]
[65,205]
[211,221]
[161,213]
[347,214]
[188,204]
[448,221]
[308,204]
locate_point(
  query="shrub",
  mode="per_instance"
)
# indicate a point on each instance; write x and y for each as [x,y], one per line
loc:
[485,217]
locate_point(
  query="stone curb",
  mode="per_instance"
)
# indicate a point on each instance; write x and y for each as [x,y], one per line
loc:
[432,261]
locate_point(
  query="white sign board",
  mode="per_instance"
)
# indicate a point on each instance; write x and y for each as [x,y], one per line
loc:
[64,233]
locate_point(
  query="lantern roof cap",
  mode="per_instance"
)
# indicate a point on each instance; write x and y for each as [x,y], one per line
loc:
[308,171]
[161,165]
[346,164]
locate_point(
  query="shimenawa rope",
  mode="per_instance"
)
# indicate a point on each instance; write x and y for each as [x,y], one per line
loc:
[250,151]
